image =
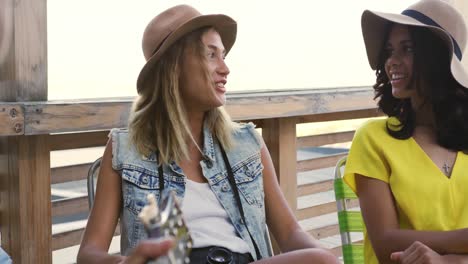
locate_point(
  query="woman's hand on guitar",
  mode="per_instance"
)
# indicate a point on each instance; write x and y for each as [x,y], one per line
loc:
[148,249]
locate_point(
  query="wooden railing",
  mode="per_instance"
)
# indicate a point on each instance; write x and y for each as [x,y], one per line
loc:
[33,129]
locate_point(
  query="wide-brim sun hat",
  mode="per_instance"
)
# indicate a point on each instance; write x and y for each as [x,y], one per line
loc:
[173,24]
[438,16]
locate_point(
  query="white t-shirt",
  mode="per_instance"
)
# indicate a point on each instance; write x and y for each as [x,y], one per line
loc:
[207,220]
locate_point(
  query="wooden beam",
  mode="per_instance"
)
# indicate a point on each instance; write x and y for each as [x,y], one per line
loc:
[72,238]
[26,222]
[70,173]
[70,206]
[67,239]
[72,117]
[104,114]
[280,138]
[319,163]
[78,140]
[315,187]
[25,171]
[324,139]
[322,209]
[364,112]
[325,231]
[11,119]
[316,210]
[337,251]
[294,103]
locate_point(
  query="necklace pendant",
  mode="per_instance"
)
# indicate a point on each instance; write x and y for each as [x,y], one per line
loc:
[446,168]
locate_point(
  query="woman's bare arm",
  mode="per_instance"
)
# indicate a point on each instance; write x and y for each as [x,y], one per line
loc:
[104,215]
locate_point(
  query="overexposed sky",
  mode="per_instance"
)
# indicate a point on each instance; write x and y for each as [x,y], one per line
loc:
[94,46]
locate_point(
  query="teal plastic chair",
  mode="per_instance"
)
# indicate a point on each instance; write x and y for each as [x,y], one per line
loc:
[348,220]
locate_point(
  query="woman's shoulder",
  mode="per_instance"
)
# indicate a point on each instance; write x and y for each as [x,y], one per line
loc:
[376,128]
[123,149]
[374,125]
[246,133]
[119,132]
[120,138]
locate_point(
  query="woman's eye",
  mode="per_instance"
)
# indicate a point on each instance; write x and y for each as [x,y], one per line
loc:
[211,55]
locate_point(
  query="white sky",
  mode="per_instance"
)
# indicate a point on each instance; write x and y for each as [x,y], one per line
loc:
[94,46]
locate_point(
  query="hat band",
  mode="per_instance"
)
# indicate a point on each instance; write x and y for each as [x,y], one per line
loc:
[428,21]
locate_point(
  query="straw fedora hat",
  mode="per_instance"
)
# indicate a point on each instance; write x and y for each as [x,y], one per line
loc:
[438,16]
[174,23]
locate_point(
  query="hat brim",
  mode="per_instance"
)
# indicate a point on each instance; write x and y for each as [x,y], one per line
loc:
[226,27]
[375,27]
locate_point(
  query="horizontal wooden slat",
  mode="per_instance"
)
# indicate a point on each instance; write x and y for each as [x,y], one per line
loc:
[321,209]
[70,206]
[325,231]
[79,140]
[316,210]
[364,112]
[319,163]
[72,238]
[337,251]
[324,139]
[91,115]
[67,239]
[73,116]
[70,173]
[296,103]
[11,119]
[315,187]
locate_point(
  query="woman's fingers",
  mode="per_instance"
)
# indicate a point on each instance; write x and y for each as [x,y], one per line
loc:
[149,249]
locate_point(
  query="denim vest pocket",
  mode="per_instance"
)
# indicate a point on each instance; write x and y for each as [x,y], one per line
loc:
[136,185]
[248,175]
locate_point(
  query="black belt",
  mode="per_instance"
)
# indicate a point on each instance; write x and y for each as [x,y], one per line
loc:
[214,255]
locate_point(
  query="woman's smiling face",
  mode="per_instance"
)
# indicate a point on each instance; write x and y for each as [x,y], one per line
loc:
[399,51]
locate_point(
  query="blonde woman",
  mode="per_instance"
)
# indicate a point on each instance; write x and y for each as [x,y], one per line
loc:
[181,139]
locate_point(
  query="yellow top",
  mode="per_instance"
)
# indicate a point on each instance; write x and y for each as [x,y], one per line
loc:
[425,198]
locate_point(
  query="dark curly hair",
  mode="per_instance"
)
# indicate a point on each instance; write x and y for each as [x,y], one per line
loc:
[432,80]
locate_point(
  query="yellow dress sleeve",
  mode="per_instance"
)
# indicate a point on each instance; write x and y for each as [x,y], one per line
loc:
[367,156]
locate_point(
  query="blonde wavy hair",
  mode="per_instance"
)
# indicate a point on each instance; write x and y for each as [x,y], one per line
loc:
[158,120]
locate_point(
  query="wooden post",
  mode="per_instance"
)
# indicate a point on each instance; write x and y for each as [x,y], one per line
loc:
[280,137]
[25,200]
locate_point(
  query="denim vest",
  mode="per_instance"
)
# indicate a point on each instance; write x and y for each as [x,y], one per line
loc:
[140,177]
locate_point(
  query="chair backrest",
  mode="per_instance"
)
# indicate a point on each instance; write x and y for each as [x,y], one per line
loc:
[93,172]
[349,219]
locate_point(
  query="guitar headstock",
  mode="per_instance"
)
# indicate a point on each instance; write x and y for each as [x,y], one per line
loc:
[167,220]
